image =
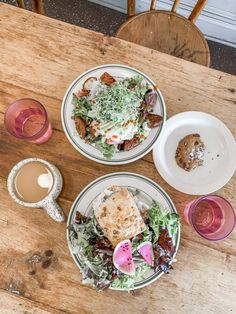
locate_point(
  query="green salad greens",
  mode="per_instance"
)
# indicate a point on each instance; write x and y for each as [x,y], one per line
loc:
[162,219]
[114,114]
[95,251]
[126,281]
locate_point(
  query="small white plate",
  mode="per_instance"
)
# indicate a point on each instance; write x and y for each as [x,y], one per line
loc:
[118,71]
[219,158]
[147,191]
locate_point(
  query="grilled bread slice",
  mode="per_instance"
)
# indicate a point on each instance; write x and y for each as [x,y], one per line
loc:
[119,216]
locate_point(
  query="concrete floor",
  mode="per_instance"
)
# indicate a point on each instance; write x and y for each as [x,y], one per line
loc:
[107,21]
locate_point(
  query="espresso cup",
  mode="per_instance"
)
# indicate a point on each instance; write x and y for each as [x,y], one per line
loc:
[48,203]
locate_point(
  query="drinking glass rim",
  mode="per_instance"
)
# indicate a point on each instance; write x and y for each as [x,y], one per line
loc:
[231,207]
[26,137]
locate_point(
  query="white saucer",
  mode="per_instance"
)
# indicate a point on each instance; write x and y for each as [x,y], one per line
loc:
[219,159]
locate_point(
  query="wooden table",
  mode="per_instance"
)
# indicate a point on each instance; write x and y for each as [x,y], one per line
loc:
[39,57]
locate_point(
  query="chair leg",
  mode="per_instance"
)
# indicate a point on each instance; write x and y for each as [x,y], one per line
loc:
[21,3]
[130,8]
[38,6]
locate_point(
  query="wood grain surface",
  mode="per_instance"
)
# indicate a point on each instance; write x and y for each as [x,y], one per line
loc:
[39,57]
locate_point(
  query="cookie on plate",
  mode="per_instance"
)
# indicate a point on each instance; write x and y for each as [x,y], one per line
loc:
[190,152]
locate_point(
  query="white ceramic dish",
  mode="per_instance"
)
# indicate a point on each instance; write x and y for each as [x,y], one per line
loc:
[147,192]
[118,71]
[220,154]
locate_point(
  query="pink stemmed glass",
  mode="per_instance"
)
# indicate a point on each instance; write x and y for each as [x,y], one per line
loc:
[211,216]
[27,119]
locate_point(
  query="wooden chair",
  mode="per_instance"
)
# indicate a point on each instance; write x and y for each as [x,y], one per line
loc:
[167,31]
[37,5]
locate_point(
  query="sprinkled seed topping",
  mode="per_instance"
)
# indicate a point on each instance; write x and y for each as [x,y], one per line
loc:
[190,152]
[197,154]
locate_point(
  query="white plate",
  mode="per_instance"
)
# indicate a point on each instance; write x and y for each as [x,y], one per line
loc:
[120,71]
[219,158]
[147,192]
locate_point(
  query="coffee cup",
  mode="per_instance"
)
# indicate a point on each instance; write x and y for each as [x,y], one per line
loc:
[36,183]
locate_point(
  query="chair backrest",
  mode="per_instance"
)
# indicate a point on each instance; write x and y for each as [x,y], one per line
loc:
[192,17]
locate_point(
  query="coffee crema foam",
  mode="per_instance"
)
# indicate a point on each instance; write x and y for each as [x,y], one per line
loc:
[33,182]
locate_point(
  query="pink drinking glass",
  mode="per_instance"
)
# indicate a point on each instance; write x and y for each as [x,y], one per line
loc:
[211,216]
[27,119]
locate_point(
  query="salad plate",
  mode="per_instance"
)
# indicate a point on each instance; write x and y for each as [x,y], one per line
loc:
[219,156]
[161,213]
[113,114]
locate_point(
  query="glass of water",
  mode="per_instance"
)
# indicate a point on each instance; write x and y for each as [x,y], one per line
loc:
[27,119]
[211,216]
